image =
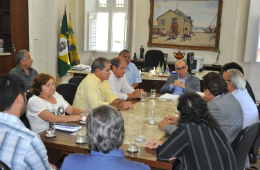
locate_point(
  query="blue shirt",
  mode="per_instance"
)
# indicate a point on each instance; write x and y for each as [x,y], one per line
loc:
[249,108]
[132,74]
[114,160]
[21,149]
[177,89]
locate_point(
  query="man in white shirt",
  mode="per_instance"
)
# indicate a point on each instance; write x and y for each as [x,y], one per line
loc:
[118,82]
[237,86]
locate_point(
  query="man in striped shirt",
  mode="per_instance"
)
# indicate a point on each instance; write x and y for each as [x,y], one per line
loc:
[20,147]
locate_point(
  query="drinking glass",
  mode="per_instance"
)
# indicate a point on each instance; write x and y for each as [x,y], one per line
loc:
[153,94]
[132,146]
[140,134]
[143,96]
[83,118]
[150,132]
[151,118]
[50,129]
[81,135]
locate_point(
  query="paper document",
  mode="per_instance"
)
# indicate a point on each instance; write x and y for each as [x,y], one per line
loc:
[169,96]
[82,67]
[68,127]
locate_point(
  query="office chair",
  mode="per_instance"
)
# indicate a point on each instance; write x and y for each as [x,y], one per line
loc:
[242,144]
[152,59]
[253,152]
[76,80]
[3,166]
[67,91]
[24,118]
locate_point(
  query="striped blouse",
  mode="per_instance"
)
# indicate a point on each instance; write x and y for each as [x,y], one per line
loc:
[198,147]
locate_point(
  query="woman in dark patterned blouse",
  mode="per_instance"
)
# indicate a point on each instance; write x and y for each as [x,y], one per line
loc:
[198,141]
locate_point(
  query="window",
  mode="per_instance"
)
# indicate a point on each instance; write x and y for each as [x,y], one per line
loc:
[107,25]
[163,22]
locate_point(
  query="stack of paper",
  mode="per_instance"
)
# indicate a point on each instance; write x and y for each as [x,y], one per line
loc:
[169,96]
[82,67]
[68,127]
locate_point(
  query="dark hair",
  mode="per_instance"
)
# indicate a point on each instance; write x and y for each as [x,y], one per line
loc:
[215,83]
[231,65]
[193,109]
[10,87]
[20,56]
[124,51]
[105,129]
[99,63]
[116,62]
[39,80]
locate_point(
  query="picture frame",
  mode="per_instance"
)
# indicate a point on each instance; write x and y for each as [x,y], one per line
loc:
[185,24]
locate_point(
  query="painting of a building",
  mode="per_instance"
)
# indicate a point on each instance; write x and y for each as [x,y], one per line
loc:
[174,18]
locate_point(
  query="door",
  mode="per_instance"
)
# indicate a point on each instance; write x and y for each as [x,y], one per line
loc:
[38,34]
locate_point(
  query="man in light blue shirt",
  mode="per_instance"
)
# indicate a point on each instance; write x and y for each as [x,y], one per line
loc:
[132,74]
[182,81]
[21,149]
[237,86]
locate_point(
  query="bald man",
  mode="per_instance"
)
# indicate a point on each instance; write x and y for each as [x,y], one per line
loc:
[182,81]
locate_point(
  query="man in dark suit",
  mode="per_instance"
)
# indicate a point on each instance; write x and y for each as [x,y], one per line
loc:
[182,81]
[223,106]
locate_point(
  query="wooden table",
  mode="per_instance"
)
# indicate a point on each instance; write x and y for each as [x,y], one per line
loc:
[64,143]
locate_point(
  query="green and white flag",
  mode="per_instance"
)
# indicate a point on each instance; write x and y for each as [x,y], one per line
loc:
[63,62]
[158,69]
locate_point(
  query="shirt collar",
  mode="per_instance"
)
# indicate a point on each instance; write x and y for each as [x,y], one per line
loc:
[184,78]
[10,119]
[96,79]
[112,153]
[113,75]
[21,69]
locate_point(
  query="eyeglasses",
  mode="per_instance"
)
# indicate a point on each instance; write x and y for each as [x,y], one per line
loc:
[182,68]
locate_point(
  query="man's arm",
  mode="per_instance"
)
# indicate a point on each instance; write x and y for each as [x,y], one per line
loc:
[193,85]
[166,86]
[121,105]
[135,85]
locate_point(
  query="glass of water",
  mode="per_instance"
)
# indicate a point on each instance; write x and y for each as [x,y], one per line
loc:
[140,134]
[83,118]
[132,145]
[153,94]
[151,118]
[81,135]
[143,96]
[50,129]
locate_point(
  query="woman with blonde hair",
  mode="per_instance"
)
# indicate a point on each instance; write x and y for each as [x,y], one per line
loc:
[47,105]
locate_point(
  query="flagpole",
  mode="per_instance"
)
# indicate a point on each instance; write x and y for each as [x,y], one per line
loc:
[65,9]
[69,16]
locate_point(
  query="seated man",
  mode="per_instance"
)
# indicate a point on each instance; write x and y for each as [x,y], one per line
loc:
[224,107]
[20,147]
[182,81]
[186,33]
[132,74]
[236,84]
[234,65]
[24,68]
[105,134]
[94,90]
[118,82]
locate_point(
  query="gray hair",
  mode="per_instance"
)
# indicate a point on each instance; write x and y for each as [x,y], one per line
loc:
[20,56]
[105,129]
[117,61]
[124,51]
[181,60]
[99,63]
[237,78]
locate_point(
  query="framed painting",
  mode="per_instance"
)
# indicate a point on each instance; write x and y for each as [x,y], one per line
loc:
[185,24]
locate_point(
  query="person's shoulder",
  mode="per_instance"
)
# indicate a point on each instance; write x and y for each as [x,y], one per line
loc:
[13,70]
[129,165]
[193,77]
[132,65]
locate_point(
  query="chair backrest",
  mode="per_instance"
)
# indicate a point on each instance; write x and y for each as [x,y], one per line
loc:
[3,166]
[153,57]
[24,118]
[76,80]
[253,152]
[68,92]
[243,143]
[258,108]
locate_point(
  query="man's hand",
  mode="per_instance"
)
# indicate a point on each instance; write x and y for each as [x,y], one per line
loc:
[178,83]
[172,119]
[53,167]
[137,93]
[124,105]
[153,144]
[163,123]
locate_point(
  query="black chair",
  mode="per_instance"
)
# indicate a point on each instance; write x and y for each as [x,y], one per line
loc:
[76,80]
[3,166]
[24,118]
[68,92]
[253,152]
[242,144]
[152,58]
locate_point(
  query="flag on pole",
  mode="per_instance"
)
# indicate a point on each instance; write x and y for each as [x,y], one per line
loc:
[63,62]
[74,57]
[167,71]
[158,69]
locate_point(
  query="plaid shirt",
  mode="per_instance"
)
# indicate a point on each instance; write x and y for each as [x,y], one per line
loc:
[21,148]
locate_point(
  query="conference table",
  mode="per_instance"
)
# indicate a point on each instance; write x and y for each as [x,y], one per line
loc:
[64,142]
